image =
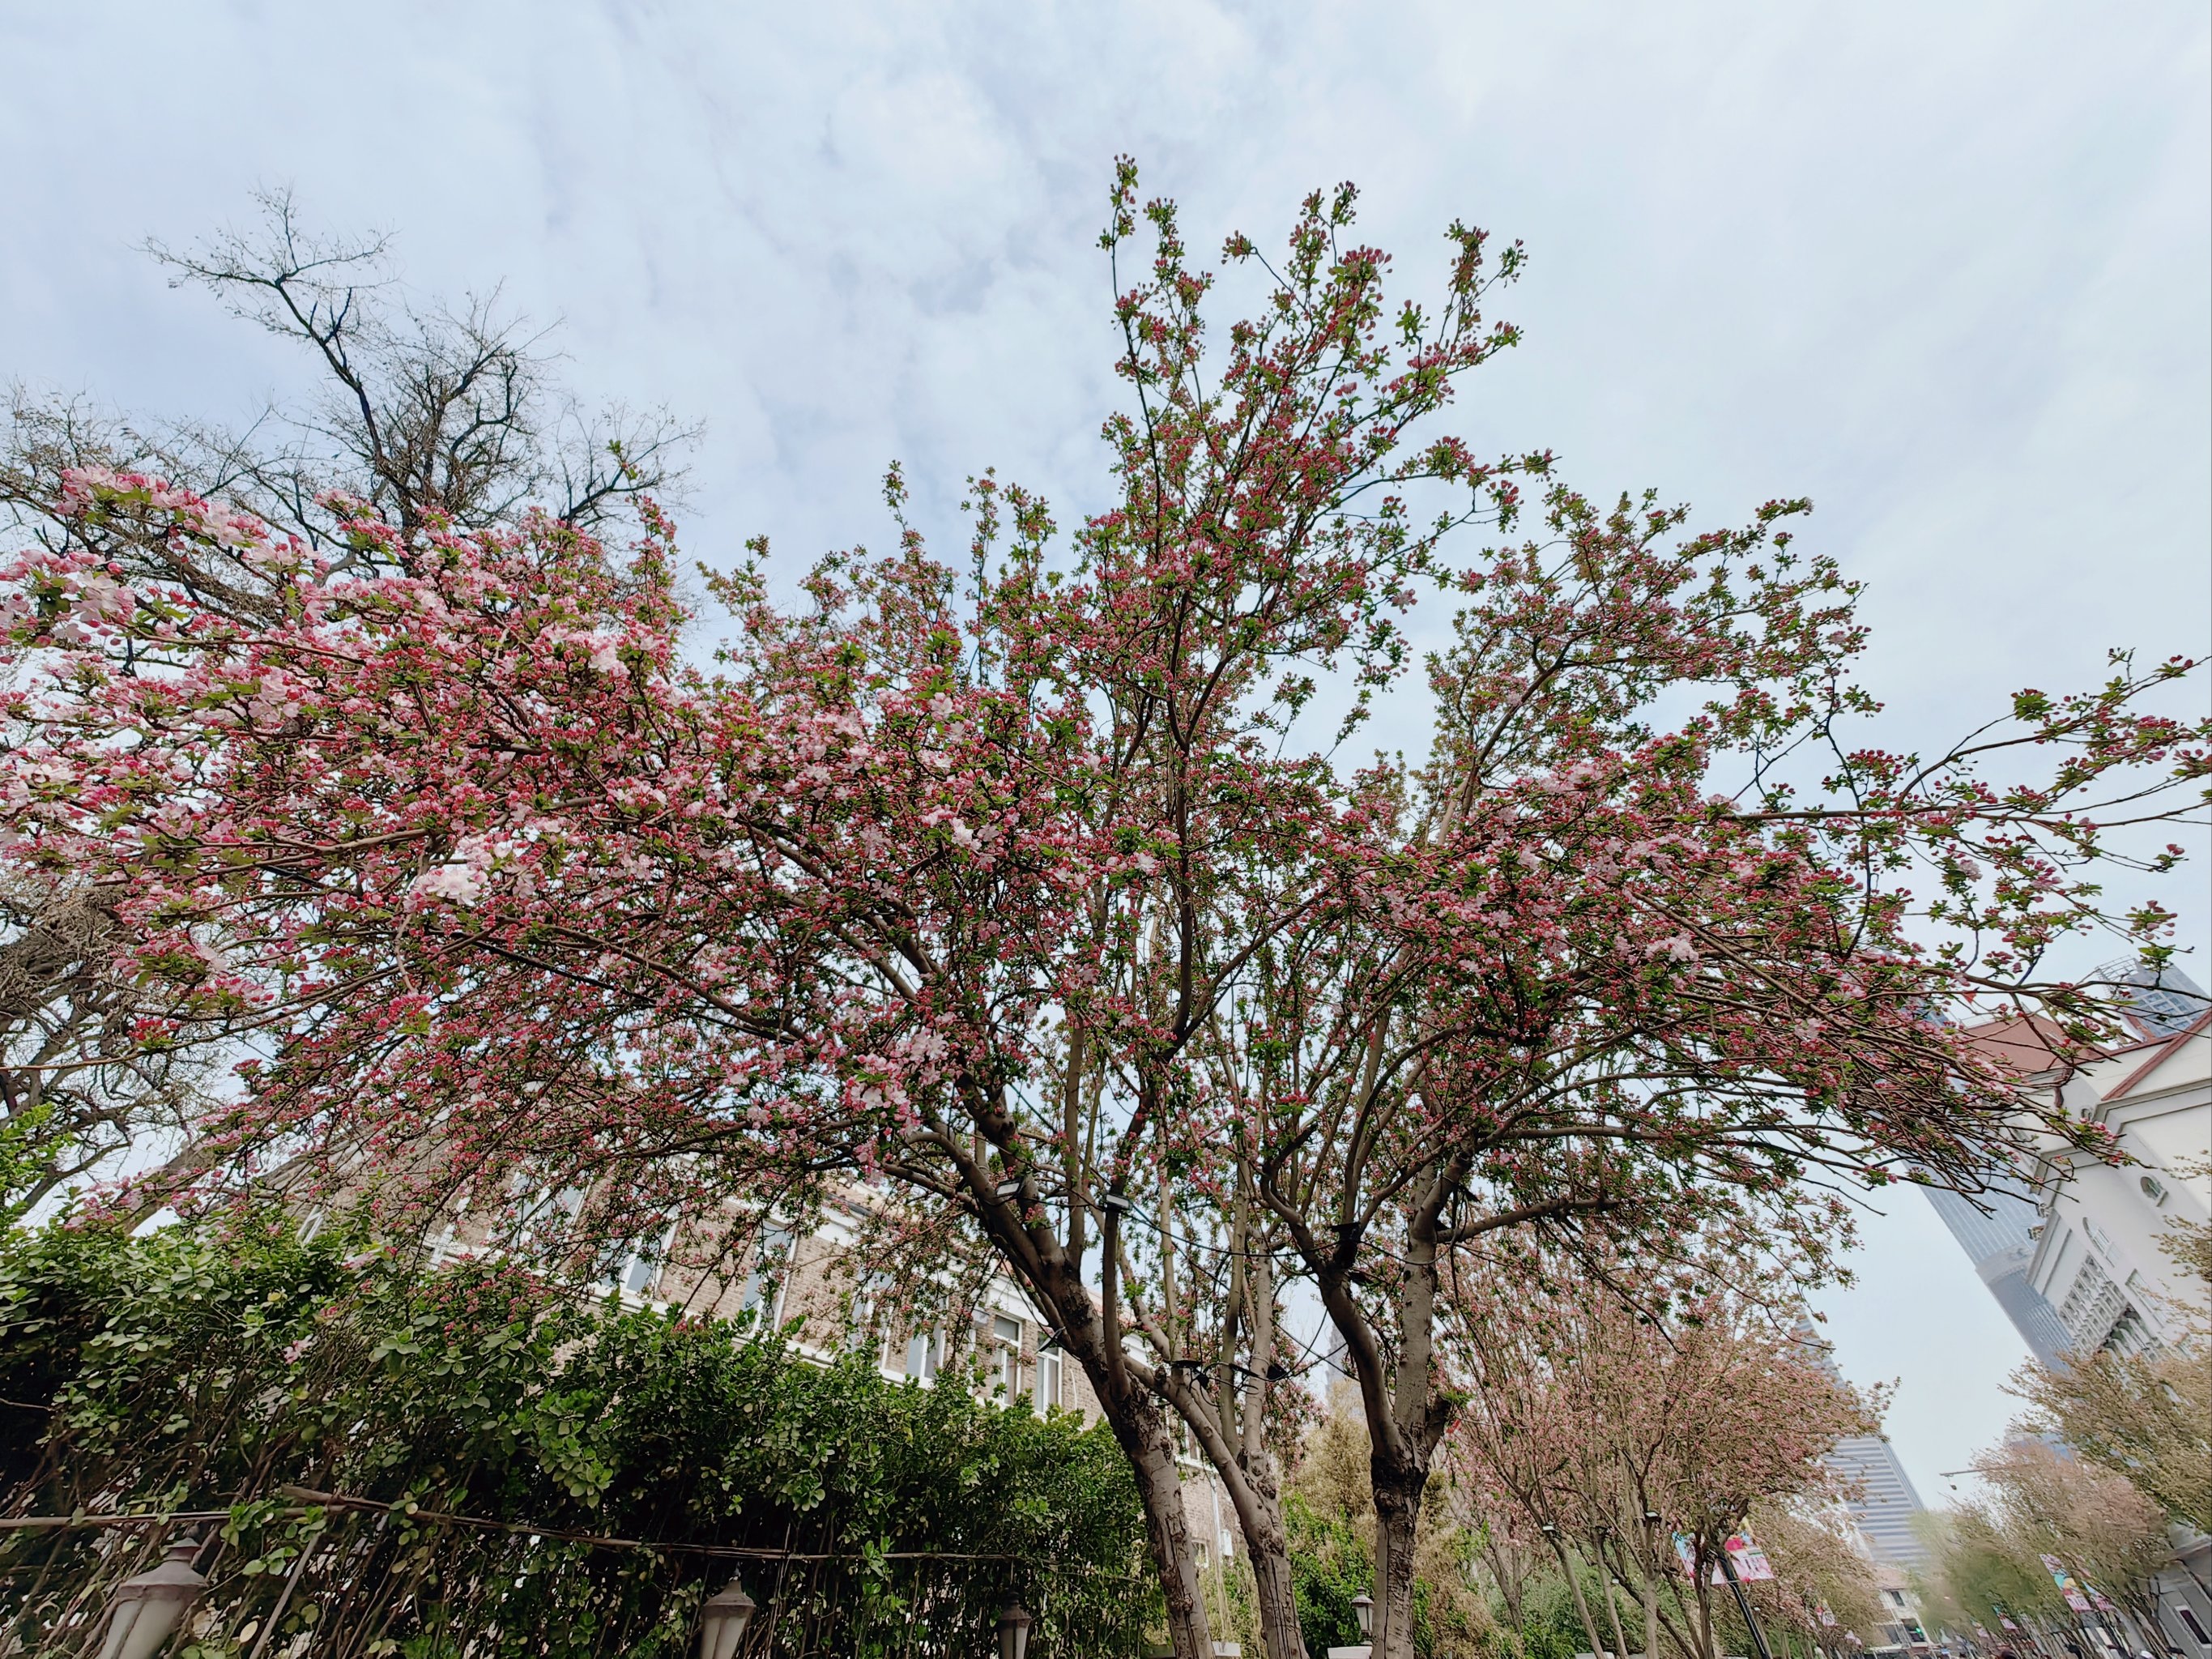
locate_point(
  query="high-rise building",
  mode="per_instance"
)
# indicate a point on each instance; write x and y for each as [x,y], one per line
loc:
[1883,1502]
[1997,1230]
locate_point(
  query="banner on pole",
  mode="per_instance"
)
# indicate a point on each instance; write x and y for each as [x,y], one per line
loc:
[1749,1560]
[2066,1588]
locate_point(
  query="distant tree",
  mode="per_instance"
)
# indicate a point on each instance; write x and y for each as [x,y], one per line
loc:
[455,414]
[1823,1586]
[1606,1428]
[1980,1575]
[2096,1522]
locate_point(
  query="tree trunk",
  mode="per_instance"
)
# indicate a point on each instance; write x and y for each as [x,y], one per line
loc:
[1143,1434]
[1650,1591]
[1397,1485]
[1405,1415]
[1090,1332]
[1509,1584]
[1230,1431]
[1684,1639]
[1612,1607]
[1279,1635]
[1582,1601]
[1248,1475]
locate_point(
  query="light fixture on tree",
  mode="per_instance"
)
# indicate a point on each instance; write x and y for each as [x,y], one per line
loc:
[1013,1632]
[1009,1188]
[1363,1609]
[723,1620]
[146,1610]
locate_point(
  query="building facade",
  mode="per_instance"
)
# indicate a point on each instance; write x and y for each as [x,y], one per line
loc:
[2072,1252]
[1884,1504]
[2100,1259]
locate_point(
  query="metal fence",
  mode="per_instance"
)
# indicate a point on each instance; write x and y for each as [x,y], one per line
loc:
[322,1577]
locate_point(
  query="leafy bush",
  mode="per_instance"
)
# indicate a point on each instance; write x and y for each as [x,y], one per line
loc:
[201,1370]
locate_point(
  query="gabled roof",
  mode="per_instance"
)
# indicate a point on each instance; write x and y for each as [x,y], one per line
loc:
[2166,1051]
[2027,1043]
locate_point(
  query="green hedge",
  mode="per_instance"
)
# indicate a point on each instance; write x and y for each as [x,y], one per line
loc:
[202,1369]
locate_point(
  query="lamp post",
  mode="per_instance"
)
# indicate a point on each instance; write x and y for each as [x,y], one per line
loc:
[147,1610]
[1363,1609]
[1013,1632]
[723,1619]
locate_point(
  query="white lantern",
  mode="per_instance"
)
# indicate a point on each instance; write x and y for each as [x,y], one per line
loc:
[723,1619]
[147,1610]
[1013,1632]
[1363,1609]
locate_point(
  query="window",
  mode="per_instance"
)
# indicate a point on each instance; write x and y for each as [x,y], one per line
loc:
[636,1269]
[2153,1189]
[1047,1380]
[545,1214]
[763,1293]
[2189,1618]
[2091,1305]
[924,1352]
[1007,1358]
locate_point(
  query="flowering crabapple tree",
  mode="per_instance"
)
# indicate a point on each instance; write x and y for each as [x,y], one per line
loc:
[1610,1413]
[1022,882]
[1609,979]
[935,886]
[455,413]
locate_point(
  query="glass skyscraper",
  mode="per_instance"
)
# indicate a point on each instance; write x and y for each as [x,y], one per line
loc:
[1995,1228]
[1883,1501]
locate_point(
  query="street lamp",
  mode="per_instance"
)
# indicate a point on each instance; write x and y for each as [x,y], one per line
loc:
[723,1619]
[147,1610]
[1363,1609]
[1013,1632]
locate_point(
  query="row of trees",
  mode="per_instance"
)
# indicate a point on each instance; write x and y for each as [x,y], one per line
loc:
[1594,1433]
[1040,885]
[2045,1504]
[1598,1457]
[2113,1449]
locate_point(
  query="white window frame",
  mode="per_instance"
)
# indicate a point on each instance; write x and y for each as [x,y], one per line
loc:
[765,1296]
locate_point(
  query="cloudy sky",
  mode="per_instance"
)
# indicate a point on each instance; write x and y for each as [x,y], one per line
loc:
[1943,268]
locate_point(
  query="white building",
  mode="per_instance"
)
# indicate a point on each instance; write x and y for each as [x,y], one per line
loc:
[2099,1256]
